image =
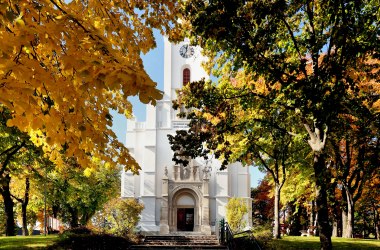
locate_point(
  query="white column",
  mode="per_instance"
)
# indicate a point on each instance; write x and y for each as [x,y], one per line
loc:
[205,226]
[164,218]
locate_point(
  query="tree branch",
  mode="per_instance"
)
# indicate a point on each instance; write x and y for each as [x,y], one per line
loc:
[9,156]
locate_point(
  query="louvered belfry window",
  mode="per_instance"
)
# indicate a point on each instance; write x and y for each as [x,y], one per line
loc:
[186,76]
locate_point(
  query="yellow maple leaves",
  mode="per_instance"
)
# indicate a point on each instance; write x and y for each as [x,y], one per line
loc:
[65,65]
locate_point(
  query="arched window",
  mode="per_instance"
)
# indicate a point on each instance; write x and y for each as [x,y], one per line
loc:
[186,76]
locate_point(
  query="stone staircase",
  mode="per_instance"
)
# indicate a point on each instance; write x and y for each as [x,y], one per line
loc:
[180,242]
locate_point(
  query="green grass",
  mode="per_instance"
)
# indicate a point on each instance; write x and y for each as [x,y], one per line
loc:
[311,243]
[27,242]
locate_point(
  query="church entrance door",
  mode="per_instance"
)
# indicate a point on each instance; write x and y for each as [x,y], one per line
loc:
[185,219]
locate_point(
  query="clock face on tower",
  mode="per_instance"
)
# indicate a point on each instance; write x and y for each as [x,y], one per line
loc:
[186,51]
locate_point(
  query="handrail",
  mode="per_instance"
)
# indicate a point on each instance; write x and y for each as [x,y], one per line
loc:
[227,237]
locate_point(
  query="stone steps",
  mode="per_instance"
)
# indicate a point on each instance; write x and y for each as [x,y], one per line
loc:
[180,242]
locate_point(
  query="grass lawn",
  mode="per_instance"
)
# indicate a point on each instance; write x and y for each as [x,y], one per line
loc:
[27,242]
[311,243]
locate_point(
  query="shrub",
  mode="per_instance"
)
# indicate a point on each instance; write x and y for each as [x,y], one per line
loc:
[119,217]
[71,240]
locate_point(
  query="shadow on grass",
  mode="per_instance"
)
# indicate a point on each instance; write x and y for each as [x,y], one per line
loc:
[312,243]
[91,241]
[27,242]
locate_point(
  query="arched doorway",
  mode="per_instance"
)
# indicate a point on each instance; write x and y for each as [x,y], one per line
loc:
[185,213]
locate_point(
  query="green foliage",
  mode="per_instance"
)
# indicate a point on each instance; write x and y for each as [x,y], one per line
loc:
[75,195]
[236,209]
[299,186]
[31,220]
[119,217]
[193,139]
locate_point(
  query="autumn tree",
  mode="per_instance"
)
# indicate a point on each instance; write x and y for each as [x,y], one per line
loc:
[74,195]
[262,203]
[368,206]
[118,216]
[66,64]
[356,157]
[306,52]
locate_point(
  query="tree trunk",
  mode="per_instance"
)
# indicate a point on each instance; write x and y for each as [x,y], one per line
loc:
[86,217]
[8,206]
[74,218]
[321,201]
[295,225]
[376,223]
[344,222]
[312,214]
[25,231]
[350,216]
[335,229]
[277,229]
[24,206]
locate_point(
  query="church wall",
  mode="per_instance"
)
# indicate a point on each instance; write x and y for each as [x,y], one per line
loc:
[149,138]
[149,160]
[221,184]
[149,183]
[150,117]
[164,158]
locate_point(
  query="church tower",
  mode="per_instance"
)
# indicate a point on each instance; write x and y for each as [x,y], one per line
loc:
[178,198]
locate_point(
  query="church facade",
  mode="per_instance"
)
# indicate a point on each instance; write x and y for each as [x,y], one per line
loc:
[177,198]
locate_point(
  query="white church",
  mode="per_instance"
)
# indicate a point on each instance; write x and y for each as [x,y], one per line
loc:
[177,198]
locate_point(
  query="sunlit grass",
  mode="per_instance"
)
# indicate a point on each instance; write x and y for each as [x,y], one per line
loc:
[311,243]
[27,242]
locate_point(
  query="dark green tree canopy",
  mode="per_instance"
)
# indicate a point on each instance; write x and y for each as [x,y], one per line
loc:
[309,47]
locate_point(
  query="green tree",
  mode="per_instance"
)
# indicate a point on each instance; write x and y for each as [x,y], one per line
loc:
[236,209]
[75,195]
[307,52]
[25,191]
[16,151]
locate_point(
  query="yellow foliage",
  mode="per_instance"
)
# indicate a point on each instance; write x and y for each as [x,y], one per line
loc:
[65,65]
[236,209]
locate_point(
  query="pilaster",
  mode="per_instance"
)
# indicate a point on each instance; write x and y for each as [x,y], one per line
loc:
[164,218]
[205,226]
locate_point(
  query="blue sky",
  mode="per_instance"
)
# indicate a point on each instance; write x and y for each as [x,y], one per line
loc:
[154,65]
